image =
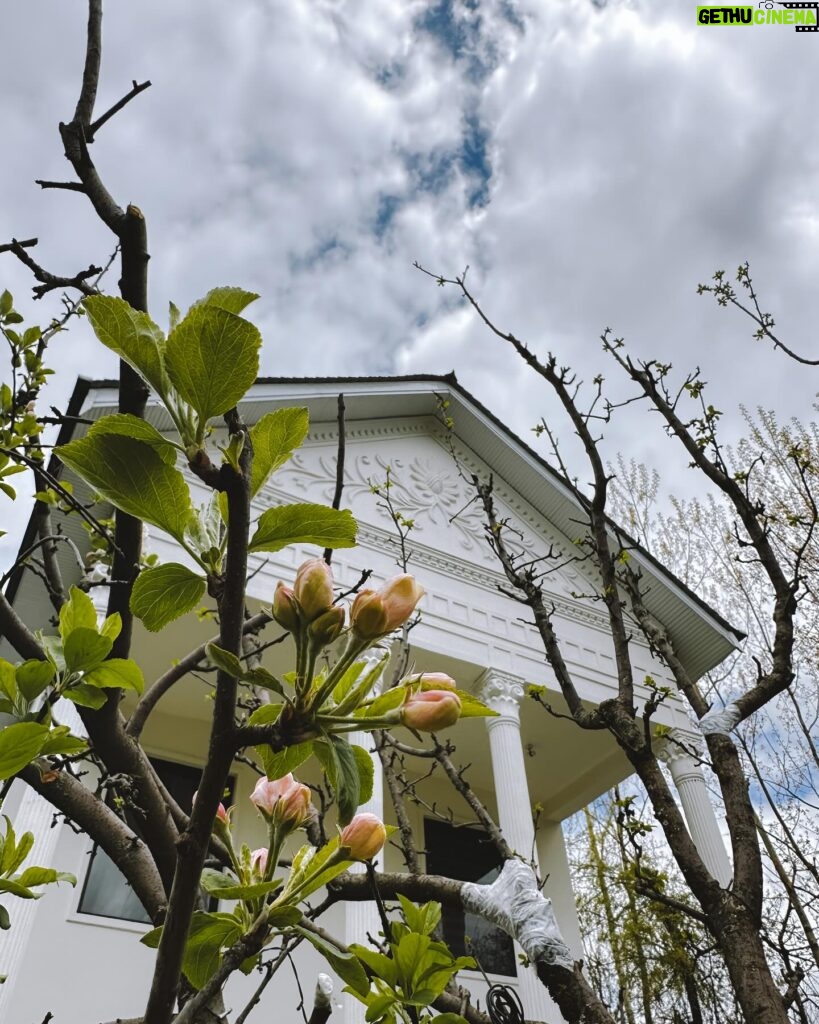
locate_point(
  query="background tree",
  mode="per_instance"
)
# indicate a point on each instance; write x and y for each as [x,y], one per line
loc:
[733,915]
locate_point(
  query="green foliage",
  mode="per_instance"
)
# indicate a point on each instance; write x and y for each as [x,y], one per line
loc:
[13,853]
[212,358]
[133,476]
[275,436]
[132,335]
[19,427]
[163,593]
[414,972]
[304,524]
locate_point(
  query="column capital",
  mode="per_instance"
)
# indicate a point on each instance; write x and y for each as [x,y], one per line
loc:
[502,692]
[682,751]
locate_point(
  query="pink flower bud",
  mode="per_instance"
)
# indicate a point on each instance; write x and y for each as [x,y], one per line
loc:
[363,837]
[221,812]
[378,612]
[433,681]
[431,710]
[258,861]
[285,611]
[282,801]
[313,588]
[326,627]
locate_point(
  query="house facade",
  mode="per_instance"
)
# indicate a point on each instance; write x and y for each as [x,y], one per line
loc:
[523,758]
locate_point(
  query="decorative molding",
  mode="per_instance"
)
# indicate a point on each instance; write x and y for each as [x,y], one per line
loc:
[682,752]
[502,692]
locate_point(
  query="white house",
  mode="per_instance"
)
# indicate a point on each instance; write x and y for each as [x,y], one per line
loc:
[468,629]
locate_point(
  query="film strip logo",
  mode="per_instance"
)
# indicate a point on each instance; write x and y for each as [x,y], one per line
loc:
[799,6]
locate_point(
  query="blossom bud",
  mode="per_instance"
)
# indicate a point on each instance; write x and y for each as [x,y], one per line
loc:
[313,588]
[326,627]
[285,610]
[258,861]
[364,837]
[433,681]
[282,801]
[221,812]
[378,612]
[431,710]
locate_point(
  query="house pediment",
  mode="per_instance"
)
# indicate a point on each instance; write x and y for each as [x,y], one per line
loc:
[430,488]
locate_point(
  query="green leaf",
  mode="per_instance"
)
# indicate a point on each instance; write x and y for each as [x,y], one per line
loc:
[381,966]
[225,661]
[84,649]
[14,853]
[261,677]
[10,886]
[267,714]
[212,358]
[346,965]
[388,701]
[207,936]
[77,612]
[423,919]
[20,743]
[471,707]
[285,917]
[134,426]
[227,887]
[234,300]
[310,862]
[44,876]
[304,524]
[165,592]
[131,475]
[278,764]
[409,955]
[275,437]
[366,772]
[117,674]
[60,741]
[33,677]
[347,696]
[347,783]
[8,680]
[112,627]
[5,924]
[131,334]
[53,647]
[379,1006]
[86,696]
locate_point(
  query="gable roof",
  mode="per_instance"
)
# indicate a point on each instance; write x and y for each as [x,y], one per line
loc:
[703,638]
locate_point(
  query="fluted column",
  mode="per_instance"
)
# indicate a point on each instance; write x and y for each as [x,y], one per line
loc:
[362,917]
[503,692]
[680,754]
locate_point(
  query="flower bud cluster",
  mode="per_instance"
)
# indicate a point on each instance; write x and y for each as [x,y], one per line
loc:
[310,598]
[375,613]
[282,802]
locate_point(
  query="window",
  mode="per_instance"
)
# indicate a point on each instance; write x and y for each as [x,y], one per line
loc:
[106,893]
[468,855]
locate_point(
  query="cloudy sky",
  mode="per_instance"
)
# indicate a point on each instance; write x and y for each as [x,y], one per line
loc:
[590,162]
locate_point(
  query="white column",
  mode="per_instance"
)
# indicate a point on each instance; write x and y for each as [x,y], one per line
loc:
[362,917]
[681,755]
[503,693]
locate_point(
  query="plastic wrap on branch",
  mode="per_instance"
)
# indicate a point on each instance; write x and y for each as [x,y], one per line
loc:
[720,722]
[324,991]
[514,903]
